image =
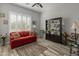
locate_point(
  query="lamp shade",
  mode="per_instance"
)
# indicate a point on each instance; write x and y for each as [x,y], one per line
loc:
[34,26]
[74,25]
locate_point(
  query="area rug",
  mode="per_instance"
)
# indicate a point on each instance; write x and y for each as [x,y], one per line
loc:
[32,49]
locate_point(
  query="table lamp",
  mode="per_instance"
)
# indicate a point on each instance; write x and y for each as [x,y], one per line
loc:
[34,27]
[74,27]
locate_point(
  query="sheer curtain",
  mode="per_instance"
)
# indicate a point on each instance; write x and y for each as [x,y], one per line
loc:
[19,22]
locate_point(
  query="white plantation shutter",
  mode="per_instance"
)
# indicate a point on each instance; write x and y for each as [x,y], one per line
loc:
[19,22]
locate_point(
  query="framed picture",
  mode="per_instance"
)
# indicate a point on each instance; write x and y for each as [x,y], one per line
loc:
[5,22]
[2,14]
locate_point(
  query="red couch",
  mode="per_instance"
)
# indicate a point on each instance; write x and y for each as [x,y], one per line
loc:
[25,37]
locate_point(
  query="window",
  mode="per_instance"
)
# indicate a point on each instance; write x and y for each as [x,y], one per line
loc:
[19,22]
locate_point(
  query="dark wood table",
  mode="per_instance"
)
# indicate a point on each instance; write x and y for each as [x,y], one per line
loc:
[73,45]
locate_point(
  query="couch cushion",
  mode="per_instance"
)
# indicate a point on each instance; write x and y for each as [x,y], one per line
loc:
[21,38]
[24,33]
[26,37]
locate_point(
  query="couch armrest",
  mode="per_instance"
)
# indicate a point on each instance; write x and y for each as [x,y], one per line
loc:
[11,38]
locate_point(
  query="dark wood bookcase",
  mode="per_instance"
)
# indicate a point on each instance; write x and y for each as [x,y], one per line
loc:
[54,29]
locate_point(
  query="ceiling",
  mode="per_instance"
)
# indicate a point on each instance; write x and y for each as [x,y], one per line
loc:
[35,8]
[46,6]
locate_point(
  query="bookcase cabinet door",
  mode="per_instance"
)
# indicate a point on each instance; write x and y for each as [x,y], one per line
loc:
[54,29]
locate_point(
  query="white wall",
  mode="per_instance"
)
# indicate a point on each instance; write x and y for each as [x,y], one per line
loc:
[6,8]
[69,12]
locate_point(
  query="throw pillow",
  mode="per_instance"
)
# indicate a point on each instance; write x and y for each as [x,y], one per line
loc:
[16,35]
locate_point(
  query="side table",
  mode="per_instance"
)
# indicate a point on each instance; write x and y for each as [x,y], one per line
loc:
[72,45]
[3,37]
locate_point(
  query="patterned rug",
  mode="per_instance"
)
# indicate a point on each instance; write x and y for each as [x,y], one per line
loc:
[32,49]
